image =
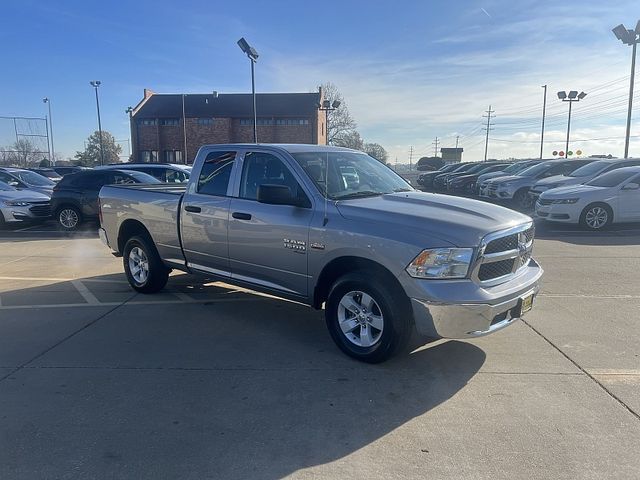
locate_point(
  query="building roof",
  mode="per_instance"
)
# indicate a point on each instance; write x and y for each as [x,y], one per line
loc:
[228,105]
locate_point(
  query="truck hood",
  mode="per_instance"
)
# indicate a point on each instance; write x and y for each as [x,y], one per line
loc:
[559,181]
[461,222]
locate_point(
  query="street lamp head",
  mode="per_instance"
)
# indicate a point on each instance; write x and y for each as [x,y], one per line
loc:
[248,49]
[624,35]
[581,95]
[45,100]
[562,95]
[336,103]
[95,83]
[129,110]
[573,94]
[326,104]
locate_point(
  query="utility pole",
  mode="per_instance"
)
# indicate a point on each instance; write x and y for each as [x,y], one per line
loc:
[410,156]
[487,128]
[396,163]
[457,139]
[435,147]
[544,111]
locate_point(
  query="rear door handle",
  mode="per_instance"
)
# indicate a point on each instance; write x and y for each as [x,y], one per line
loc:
[241,216]
[192,209]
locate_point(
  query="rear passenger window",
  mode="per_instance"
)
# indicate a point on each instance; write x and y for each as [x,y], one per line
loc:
[215,174]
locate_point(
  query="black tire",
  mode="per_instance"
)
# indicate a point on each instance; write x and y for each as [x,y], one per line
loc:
[68,218]
[2,222]
[587,216]
[157,272]
[392,304]
[522,199]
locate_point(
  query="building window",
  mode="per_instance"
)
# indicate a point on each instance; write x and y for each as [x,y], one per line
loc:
[173,122]
[292,121]
[205,121]
[173,156]
[148,121]
[149,156]
[260,121]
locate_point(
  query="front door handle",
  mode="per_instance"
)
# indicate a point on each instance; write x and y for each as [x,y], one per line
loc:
[241,216]
[192,209]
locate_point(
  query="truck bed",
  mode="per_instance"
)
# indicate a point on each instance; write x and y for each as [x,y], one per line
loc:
[156,206]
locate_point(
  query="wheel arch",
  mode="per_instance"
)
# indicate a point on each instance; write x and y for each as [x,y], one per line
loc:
[345,264]
[131,228]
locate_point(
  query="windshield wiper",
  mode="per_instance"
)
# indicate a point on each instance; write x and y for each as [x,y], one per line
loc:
[402,190]
[360,194]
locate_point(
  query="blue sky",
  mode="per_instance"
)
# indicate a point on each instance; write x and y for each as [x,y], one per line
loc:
[409,71]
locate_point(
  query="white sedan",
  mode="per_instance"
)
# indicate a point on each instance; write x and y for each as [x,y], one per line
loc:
[613,197]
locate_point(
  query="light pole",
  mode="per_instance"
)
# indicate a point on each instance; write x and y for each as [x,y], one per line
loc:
[629,37]
[544,111]
[95,84]
[129,110]
[572,96]
[327,107]
[52,160]
[253,56]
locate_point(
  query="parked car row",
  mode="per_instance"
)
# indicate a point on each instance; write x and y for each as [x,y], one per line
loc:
[603,190]
[70,194]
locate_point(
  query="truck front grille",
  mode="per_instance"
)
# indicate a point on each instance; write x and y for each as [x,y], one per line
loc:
[503,254]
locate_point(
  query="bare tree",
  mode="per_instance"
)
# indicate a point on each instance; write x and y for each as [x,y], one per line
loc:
[22,153]
[341,123]
[350,139]
[376,151]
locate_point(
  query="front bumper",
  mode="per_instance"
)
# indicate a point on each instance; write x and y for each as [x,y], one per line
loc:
[463,309]
[558,212]
[29,213]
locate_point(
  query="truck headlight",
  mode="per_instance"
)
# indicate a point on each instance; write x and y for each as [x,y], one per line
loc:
[441,263]
[566,201]
[16,204]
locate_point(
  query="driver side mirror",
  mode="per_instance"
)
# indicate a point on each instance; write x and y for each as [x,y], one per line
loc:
[280,195]
[13,183]
[631,186]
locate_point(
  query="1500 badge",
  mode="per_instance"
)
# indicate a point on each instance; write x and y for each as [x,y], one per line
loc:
[296,245]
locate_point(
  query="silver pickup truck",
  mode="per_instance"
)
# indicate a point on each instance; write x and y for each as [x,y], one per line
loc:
[330,227]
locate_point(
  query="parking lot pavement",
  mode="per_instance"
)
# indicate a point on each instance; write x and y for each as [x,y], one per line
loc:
[211,381]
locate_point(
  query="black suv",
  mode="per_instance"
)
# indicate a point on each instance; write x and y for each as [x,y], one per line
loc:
[75,197]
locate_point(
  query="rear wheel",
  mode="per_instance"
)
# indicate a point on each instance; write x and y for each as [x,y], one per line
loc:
[366,320]
[596,216]
[2,222]
[69,218]
[143,266]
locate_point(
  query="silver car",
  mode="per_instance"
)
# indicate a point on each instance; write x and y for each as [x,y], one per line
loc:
[26,179]
[18,205]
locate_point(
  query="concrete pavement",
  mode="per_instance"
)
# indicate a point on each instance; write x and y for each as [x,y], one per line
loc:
[214,382]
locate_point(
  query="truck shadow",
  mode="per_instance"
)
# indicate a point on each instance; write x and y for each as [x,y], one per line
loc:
[232,386]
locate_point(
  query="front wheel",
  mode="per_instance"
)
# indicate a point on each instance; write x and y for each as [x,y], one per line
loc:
[69,218]
[365,320]
[143,266]
[596,216]
[522,199]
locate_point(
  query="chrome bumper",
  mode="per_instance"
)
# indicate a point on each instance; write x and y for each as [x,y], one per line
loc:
[469,319]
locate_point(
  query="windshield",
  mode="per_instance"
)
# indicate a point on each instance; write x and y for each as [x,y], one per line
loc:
[32,178]
[534,170]
[6,186]
[611,179]
[342,175]
[590,169]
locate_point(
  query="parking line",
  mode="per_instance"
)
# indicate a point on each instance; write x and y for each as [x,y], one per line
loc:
[84,291]
[585,295]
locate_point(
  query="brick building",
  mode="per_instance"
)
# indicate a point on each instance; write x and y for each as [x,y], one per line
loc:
[161,132]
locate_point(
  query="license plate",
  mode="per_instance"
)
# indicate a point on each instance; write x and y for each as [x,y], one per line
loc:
[526,304]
